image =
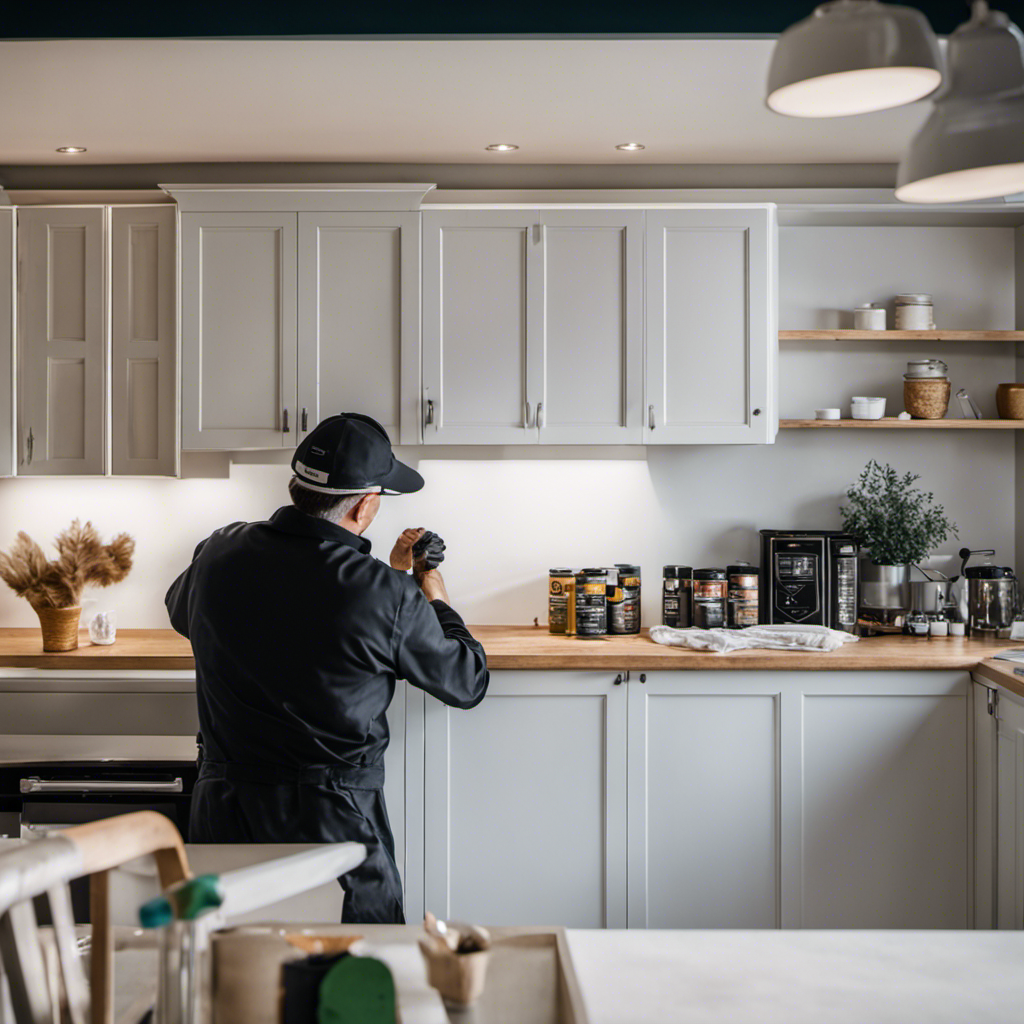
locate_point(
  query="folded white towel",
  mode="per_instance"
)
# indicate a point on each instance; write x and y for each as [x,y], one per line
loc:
[782,637]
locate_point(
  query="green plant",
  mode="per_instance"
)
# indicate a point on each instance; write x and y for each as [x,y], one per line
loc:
[895,522]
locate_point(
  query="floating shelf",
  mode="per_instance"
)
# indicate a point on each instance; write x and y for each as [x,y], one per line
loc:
[844,335]
[891,422]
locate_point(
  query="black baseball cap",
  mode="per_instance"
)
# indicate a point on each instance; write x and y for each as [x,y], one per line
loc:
[351,454]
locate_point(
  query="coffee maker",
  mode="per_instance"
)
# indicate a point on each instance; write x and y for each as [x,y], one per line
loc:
[991,593]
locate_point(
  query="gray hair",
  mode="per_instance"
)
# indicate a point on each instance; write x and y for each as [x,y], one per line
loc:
[333,507]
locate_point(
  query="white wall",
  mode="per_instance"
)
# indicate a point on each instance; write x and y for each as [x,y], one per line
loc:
[510,514]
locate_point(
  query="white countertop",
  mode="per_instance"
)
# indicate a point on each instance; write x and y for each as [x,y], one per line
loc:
[800,977]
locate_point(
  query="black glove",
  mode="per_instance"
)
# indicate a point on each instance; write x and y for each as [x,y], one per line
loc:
[427,552]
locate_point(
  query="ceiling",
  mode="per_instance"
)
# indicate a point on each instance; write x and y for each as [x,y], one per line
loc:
[406,101]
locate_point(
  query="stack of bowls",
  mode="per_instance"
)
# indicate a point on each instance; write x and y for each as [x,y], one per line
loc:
[926,389]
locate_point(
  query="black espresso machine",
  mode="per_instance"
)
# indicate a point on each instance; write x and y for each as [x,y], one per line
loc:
[810,577]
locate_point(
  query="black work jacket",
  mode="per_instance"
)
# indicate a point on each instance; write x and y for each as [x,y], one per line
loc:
[299,635]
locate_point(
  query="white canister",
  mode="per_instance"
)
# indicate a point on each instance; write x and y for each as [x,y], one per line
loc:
[915,312]
[869,318]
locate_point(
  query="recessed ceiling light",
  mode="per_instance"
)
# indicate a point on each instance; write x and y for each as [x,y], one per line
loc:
[71,149]
[501,147]
[631,147]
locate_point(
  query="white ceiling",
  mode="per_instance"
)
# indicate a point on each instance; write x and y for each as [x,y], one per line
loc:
[430,101]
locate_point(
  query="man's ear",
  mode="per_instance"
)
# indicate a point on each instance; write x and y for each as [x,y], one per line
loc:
[365,512]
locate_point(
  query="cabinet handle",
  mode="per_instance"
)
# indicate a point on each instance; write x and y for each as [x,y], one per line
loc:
[305,421]
[540,414]
[528,414]
[643,677]
[757,412]
[618,679]
[285,429]
[30,444]
[429,418]
[650,416]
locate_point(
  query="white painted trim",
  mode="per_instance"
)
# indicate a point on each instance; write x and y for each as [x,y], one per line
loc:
[295,198]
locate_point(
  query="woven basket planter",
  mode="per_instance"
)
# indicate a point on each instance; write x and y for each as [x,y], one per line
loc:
[60,627]
[927,398]
[1010,401]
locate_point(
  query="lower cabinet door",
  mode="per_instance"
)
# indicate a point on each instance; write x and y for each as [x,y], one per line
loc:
[1009,901]
[525,802]
[703,800]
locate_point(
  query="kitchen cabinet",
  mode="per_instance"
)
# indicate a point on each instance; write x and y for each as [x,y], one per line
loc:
[359,319]
[999,807]
[712,335]
[239,307]
[61,341]
[6,342]
[143,341]
[525,802]
[703,777]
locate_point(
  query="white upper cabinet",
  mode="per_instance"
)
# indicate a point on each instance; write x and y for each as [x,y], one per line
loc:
[359,319]
[482,315]
[143,340]
[61,341]
[6,342]
[591,356]
[238,330]
[712,337]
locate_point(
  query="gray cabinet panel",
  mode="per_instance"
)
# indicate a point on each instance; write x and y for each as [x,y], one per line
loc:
[1009,879]
[143,340]
[7,431]
[99,714]
[525,802]
[359,282]
[62,341]
[238,330]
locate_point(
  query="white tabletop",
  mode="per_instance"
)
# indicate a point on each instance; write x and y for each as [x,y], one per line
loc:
[800,977]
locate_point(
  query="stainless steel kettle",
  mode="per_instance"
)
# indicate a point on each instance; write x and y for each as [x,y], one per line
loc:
[992,596]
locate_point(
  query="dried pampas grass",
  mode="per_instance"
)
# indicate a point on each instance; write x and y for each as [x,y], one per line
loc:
[82,560]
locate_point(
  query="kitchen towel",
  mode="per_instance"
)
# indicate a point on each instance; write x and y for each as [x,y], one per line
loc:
[788,637]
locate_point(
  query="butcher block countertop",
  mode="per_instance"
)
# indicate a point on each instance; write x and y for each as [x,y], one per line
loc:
[1001,674]
[530,647]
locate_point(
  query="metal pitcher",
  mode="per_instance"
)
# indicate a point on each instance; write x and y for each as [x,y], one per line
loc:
[992,596]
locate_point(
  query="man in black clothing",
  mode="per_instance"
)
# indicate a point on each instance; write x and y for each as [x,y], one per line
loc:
[299,635]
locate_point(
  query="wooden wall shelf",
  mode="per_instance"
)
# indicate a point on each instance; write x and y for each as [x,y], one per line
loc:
[845,335]
[890,422]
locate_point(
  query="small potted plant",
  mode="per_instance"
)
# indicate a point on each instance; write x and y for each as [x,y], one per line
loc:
[898,526]
[54,588]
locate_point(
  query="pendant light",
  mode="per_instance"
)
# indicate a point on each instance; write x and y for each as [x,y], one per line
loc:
[972,146]
[852,57]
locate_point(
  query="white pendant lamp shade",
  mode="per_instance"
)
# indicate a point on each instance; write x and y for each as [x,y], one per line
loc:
[852,57]
[972,145]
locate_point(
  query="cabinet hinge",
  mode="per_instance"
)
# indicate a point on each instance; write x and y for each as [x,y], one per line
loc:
[993,702]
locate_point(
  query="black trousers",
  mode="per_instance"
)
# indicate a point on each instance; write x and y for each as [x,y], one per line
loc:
[229,811]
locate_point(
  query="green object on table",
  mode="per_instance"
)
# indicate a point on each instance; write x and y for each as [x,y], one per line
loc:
[357,990]
[185,902]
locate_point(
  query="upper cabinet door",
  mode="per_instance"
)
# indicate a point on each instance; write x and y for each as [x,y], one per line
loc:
[482,309]
[143,340]
[592,361]
[238,330]
[712,338]
[62,341]
[359,319]
[6,341]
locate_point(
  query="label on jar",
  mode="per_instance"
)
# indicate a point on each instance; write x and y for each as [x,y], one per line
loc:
[708,589]
[624,614]
[559,590]
[742,614]
[591,608]
[708,614]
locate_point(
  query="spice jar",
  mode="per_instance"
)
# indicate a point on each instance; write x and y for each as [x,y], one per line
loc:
[914,312]
[709,596]
[592,602]
[624,600]
[561,588]
[676,595]
[742,607]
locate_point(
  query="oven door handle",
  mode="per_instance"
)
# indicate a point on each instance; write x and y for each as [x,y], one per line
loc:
[36,785]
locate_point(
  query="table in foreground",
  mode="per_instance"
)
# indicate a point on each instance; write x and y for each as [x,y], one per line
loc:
[800,977]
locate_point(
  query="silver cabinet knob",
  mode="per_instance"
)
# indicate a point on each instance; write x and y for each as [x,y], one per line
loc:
[650,416]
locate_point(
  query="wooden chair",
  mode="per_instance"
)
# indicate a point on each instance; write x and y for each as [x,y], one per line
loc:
[44,868]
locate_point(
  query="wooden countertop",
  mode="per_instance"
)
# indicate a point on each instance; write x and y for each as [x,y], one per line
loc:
[529,647]
[1001,673]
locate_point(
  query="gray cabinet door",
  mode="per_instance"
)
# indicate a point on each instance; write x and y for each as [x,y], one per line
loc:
[143,302]
[1009,902]
[524,808]
[359,319]
[703,801]
[7,457]
[61,341]
[592,346]
[712,338]
[238,330]
[482,311]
